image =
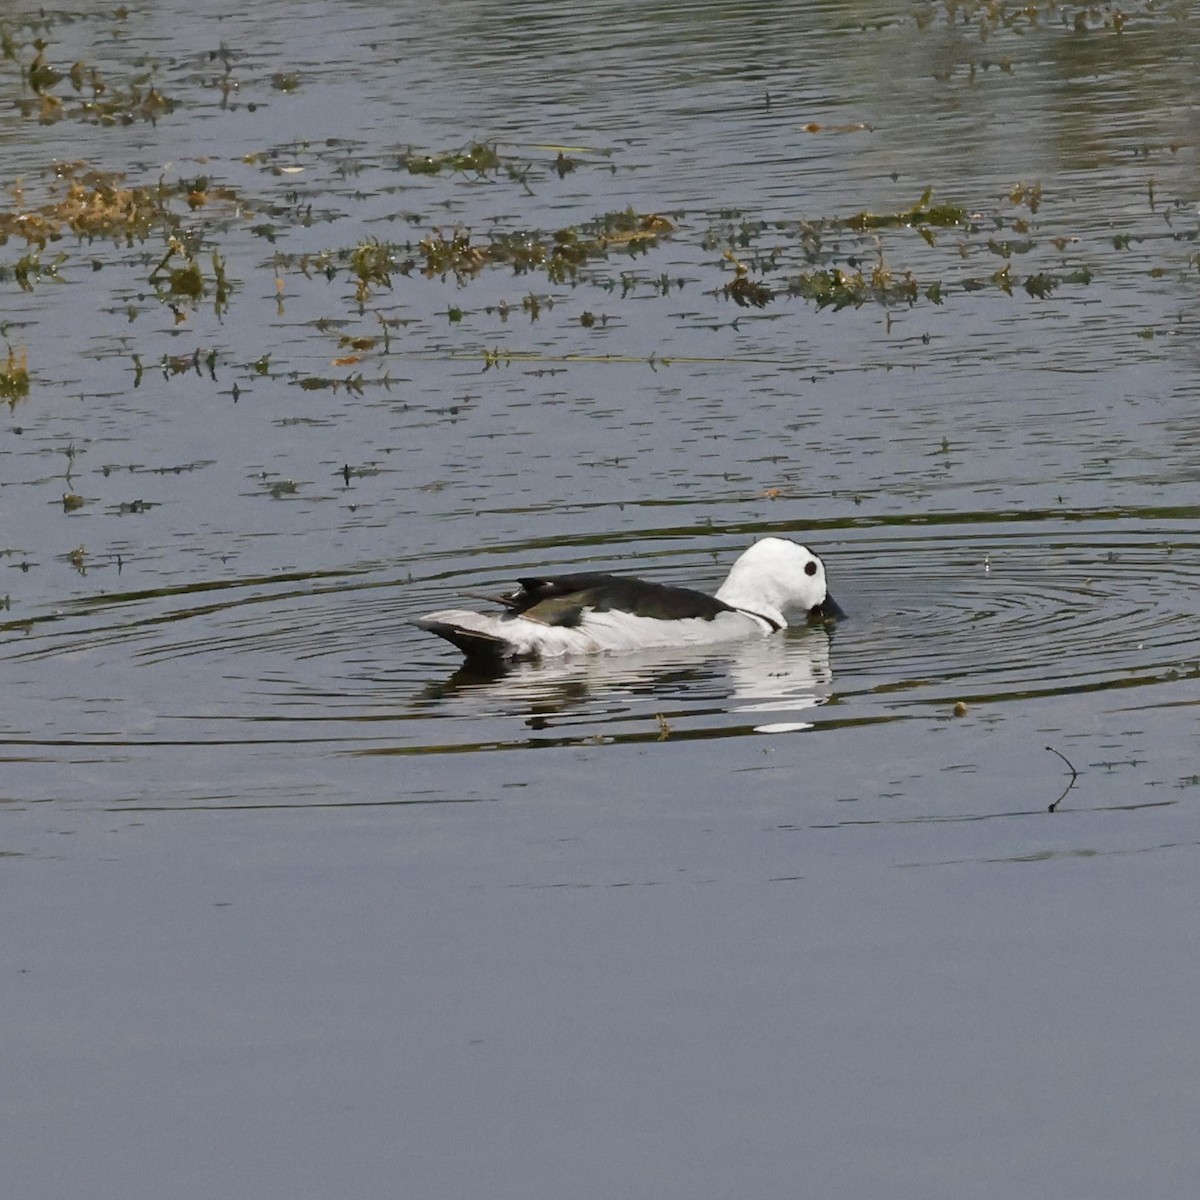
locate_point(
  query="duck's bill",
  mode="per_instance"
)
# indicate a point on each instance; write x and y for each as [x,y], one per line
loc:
[828,610]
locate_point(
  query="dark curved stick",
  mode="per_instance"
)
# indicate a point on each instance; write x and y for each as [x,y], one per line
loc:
[1070,785]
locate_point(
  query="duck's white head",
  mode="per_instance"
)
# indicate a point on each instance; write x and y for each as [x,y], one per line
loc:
[776,575]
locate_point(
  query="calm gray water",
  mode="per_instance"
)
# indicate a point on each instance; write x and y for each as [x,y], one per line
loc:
[296,908]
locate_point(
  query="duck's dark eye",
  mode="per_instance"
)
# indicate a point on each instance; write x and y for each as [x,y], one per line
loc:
[810,567]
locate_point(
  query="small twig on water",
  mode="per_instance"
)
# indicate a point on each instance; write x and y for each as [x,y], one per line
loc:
[1070,785]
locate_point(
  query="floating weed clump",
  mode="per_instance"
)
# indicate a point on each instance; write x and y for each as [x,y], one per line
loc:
[98,205]
[107,104]
[200,192]
[839,289]
[124,106]
[456,252]
[832,254]
[921,213]
[178,276]
[989,18]
[1007,247]
[1042,284]
[1028,195]
[744,291]
[478,158]
[371,263]
[29,269]
[91,206]
[453,255]
[184,279]
[560,254]
[625,227]
[182,364]
[353,384]
[100,208]
[14,376]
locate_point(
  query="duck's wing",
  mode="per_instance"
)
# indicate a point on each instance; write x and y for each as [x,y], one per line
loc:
[562,599]
[552,615]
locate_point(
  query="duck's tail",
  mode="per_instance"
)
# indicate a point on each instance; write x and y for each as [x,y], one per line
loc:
[477,635]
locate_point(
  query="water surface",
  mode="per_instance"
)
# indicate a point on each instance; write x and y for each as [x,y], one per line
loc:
[298,907]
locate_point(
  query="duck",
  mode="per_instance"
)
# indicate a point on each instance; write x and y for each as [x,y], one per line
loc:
[590,612]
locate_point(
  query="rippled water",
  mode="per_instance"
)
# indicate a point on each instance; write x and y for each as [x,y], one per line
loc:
[915,286]
[986,612]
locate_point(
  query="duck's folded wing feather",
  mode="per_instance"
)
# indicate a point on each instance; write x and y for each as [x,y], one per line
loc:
[562,599]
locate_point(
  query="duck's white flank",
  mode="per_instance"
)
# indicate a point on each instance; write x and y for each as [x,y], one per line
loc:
[551,616]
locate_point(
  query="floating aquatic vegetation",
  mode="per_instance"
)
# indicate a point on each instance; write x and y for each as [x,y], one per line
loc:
[182,279]
[29,269]
[921,213]
[1082,276]
[455,252]
[371,263]
[479,158]
[40,75]
[109,103]
[182,364]
[841,289]
[627,227]
[124,106]
[743,290]
[77,558]
[452,255]
[1006,248]
[94,204]
[178,277]
[222,288]
[990,17]
[14,376]
[561,255]
[838,273]
[1027,194]
[355,384]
